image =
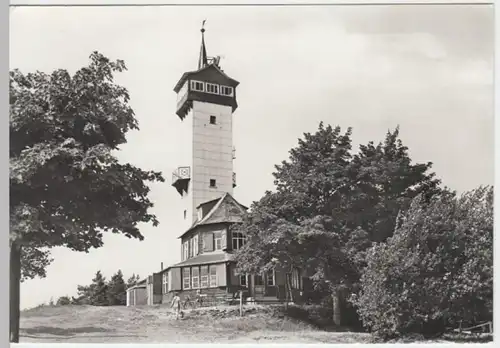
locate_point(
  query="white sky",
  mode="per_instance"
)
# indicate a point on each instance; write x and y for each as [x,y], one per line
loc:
[428,69]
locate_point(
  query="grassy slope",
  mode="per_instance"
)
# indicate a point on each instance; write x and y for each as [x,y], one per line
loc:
[87,324]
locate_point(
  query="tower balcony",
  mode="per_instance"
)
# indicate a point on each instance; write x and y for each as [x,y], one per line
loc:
[180,178]
[234,179]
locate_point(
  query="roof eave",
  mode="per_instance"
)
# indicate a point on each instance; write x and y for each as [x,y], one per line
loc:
[184,77]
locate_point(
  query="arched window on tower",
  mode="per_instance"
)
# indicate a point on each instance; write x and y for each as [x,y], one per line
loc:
[238,240]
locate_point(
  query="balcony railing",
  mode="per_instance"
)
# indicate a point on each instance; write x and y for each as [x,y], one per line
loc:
[181,173]
[234,179]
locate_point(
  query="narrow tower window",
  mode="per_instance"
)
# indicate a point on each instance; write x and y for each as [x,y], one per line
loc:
[213,183]
[185,214]
[213,120]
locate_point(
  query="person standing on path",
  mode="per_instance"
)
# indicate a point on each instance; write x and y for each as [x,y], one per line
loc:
[176,305]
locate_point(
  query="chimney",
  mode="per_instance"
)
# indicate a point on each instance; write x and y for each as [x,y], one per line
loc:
[161,265]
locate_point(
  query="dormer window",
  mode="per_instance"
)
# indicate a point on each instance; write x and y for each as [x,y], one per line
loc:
[226,90]
[197,86]
[212,88]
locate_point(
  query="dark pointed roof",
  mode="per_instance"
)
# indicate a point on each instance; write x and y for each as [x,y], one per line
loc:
[226,210]
[204,65]
[203,60]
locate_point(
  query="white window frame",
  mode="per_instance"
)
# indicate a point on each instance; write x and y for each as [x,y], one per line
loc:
[223,89]
[209,86]
[271,275]
[239,239]
[213,277]
[190,242]
[165,282]
[218,238]
[193,86]
[204,279]
[186,281]
[195,245]
[185,250]
[195,280]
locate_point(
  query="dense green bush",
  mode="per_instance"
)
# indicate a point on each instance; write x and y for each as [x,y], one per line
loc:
[436,270]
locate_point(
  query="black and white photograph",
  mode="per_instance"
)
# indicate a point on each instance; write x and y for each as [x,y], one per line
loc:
[288,173]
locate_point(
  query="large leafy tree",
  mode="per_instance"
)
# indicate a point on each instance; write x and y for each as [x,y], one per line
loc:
[329,206]
[67,188]
[436,270]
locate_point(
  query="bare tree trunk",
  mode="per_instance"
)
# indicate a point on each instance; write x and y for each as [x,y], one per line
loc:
[15,280]
[337,318]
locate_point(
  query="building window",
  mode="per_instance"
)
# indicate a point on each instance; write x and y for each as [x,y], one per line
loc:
[197,86]
[186,280]
[191,247]
[218,240]
[165,282]
[185,251]
[270,278]
[239,240]
[195,277]
[213,276]
[204,277]
[212,88]
[213,120]
[226,90]
[185,214]
[243,280]
[195,245]
[213,183]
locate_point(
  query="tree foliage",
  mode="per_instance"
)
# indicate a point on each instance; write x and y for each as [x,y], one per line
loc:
[63,301]
[117,290]
[330,205]
[66,185]
[133,280]
[436,270]
[67,188]
[34,262]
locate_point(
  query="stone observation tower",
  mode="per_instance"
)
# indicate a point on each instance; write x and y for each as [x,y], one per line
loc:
[206,101]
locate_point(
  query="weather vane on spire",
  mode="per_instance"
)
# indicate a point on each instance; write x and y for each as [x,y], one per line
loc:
[203,26]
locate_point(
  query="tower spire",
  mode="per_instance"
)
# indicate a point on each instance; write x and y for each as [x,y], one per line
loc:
[203,60]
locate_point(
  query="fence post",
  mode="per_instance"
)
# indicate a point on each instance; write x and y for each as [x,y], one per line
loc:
[241,303]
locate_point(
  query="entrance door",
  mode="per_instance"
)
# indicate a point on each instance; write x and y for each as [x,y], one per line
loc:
[259,287]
